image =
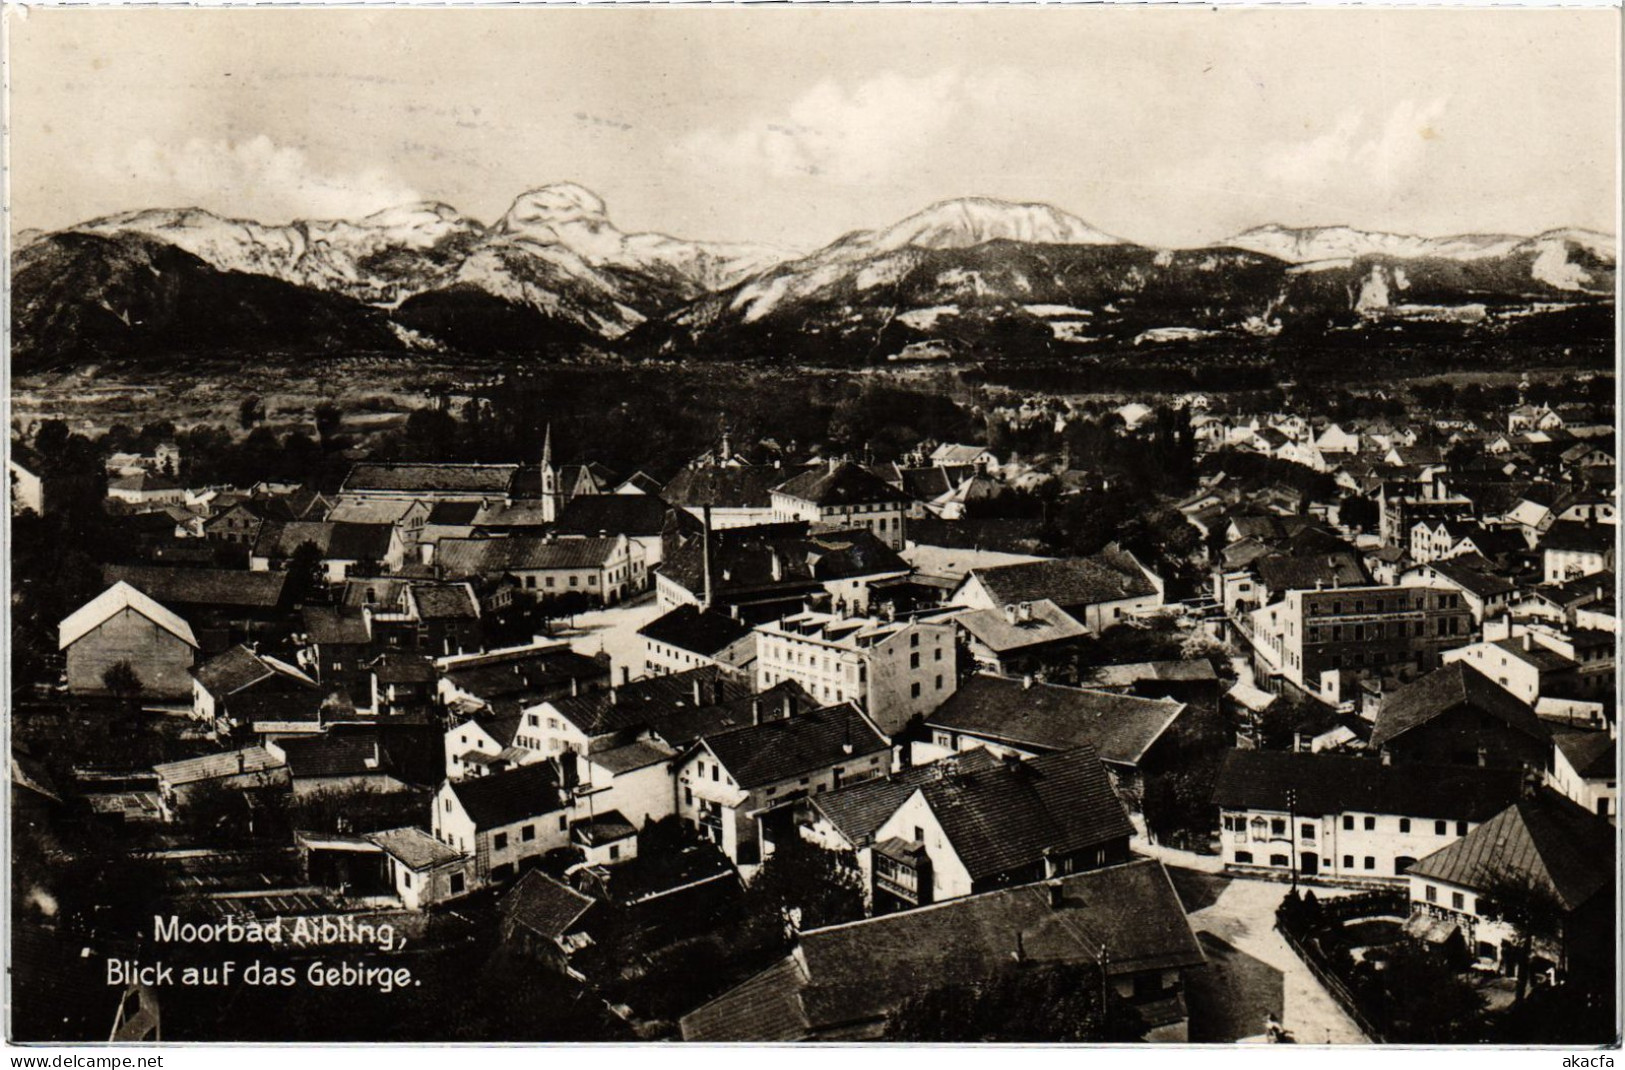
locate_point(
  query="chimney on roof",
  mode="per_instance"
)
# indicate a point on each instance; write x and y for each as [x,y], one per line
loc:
[575,686]
[1027,681]
[789,704]
[242,761]
[1057,894]
[699,692]
[1026,611]
[626,674]
[1021,950]
[756,711]
[846,738]
[1483,757]
[1010,613]
[1526,640]
[614,695]
[775,565]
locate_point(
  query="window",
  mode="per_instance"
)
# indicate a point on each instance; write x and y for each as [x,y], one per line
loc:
[1370,824]
[1461,828]
[1280,860]
[549,581]
[564,823]
[457,884]
[1439,828]
[1348,861]
[1244,858]
[688,796]
[914,690]
[716,772]
[1458,901]
[499,841]
[1307,833]
[448,806]
[532,720]
[1370,863]
[406,878]
[527,833]
[914,661]
[575,581]
[919,834]
[1432,894]
[939,688]
[938,656]
[1348,822]
[614,851]
[1404,824]
[1277,826]
[914,639]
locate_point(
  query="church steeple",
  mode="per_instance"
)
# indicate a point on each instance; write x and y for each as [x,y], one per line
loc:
[550,479]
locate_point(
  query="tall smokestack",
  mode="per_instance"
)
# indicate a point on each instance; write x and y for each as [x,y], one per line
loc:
[705,556]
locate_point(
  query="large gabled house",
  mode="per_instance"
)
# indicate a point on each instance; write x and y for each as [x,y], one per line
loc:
[1347,819]
[1585,769]
[1456,715]
[365,549]
[1544,847]
[1026,719]
[740,787]
[122,626]
[843,495]
[1010,822]
[224,606]
[604,571]
[846,982]
[1027,638]
[689,637]
[1099,591]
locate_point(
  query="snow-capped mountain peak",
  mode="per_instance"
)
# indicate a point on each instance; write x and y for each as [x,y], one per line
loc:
[1306,245]
[969,221]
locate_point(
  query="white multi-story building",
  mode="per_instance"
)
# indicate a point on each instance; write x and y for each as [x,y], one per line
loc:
[843,495]
[1345,819]
[895,669]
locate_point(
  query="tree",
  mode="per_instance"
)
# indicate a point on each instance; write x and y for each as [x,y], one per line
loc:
[1019,1005]
[1422,999]
[1530,906]
[250,411]
[801,884]
[122,681]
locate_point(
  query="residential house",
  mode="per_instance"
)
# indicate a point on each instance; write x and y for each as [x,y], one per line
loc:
[1458,716]
[423,871]
[506,681]
[688,637]
[1192,681]
[122,626]
[1025,719]
[605,571]
[505,821]
[1097,591]
[1027,638]
[218,682]
[1011,822]
[224,606]
[1585,769]
[337,762]
[757,574]
[843,496]
[146,489]
[736,496]
[1484,590]
[407,517]
[1527,669]
[1570,550]
[642,518]
[1560,851]
[344,548]
[1321,640]
[1125,920]
[1347,819]
[543,918]
[413,481]
[27,488]
[954,455]
[739,788]
[246,769]
[897,669]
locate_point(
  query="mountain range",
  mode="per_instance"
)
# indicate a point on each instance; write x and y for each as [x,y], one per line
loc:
[968,277]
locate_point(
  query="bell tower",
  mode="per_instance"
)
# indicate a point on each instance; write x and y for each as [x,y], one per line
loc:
[551,497]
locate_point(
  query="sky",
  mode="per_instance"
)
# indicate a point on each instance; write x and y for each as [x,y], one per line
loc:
[794,125]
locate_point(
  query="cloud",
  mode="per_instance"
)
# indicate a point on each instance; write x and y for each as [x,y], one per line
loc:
[256,178]
[849,134]
[1384,152]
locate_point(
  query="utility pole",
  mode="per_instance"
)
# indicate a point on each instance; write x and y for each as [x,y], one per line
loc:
[1292,832]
